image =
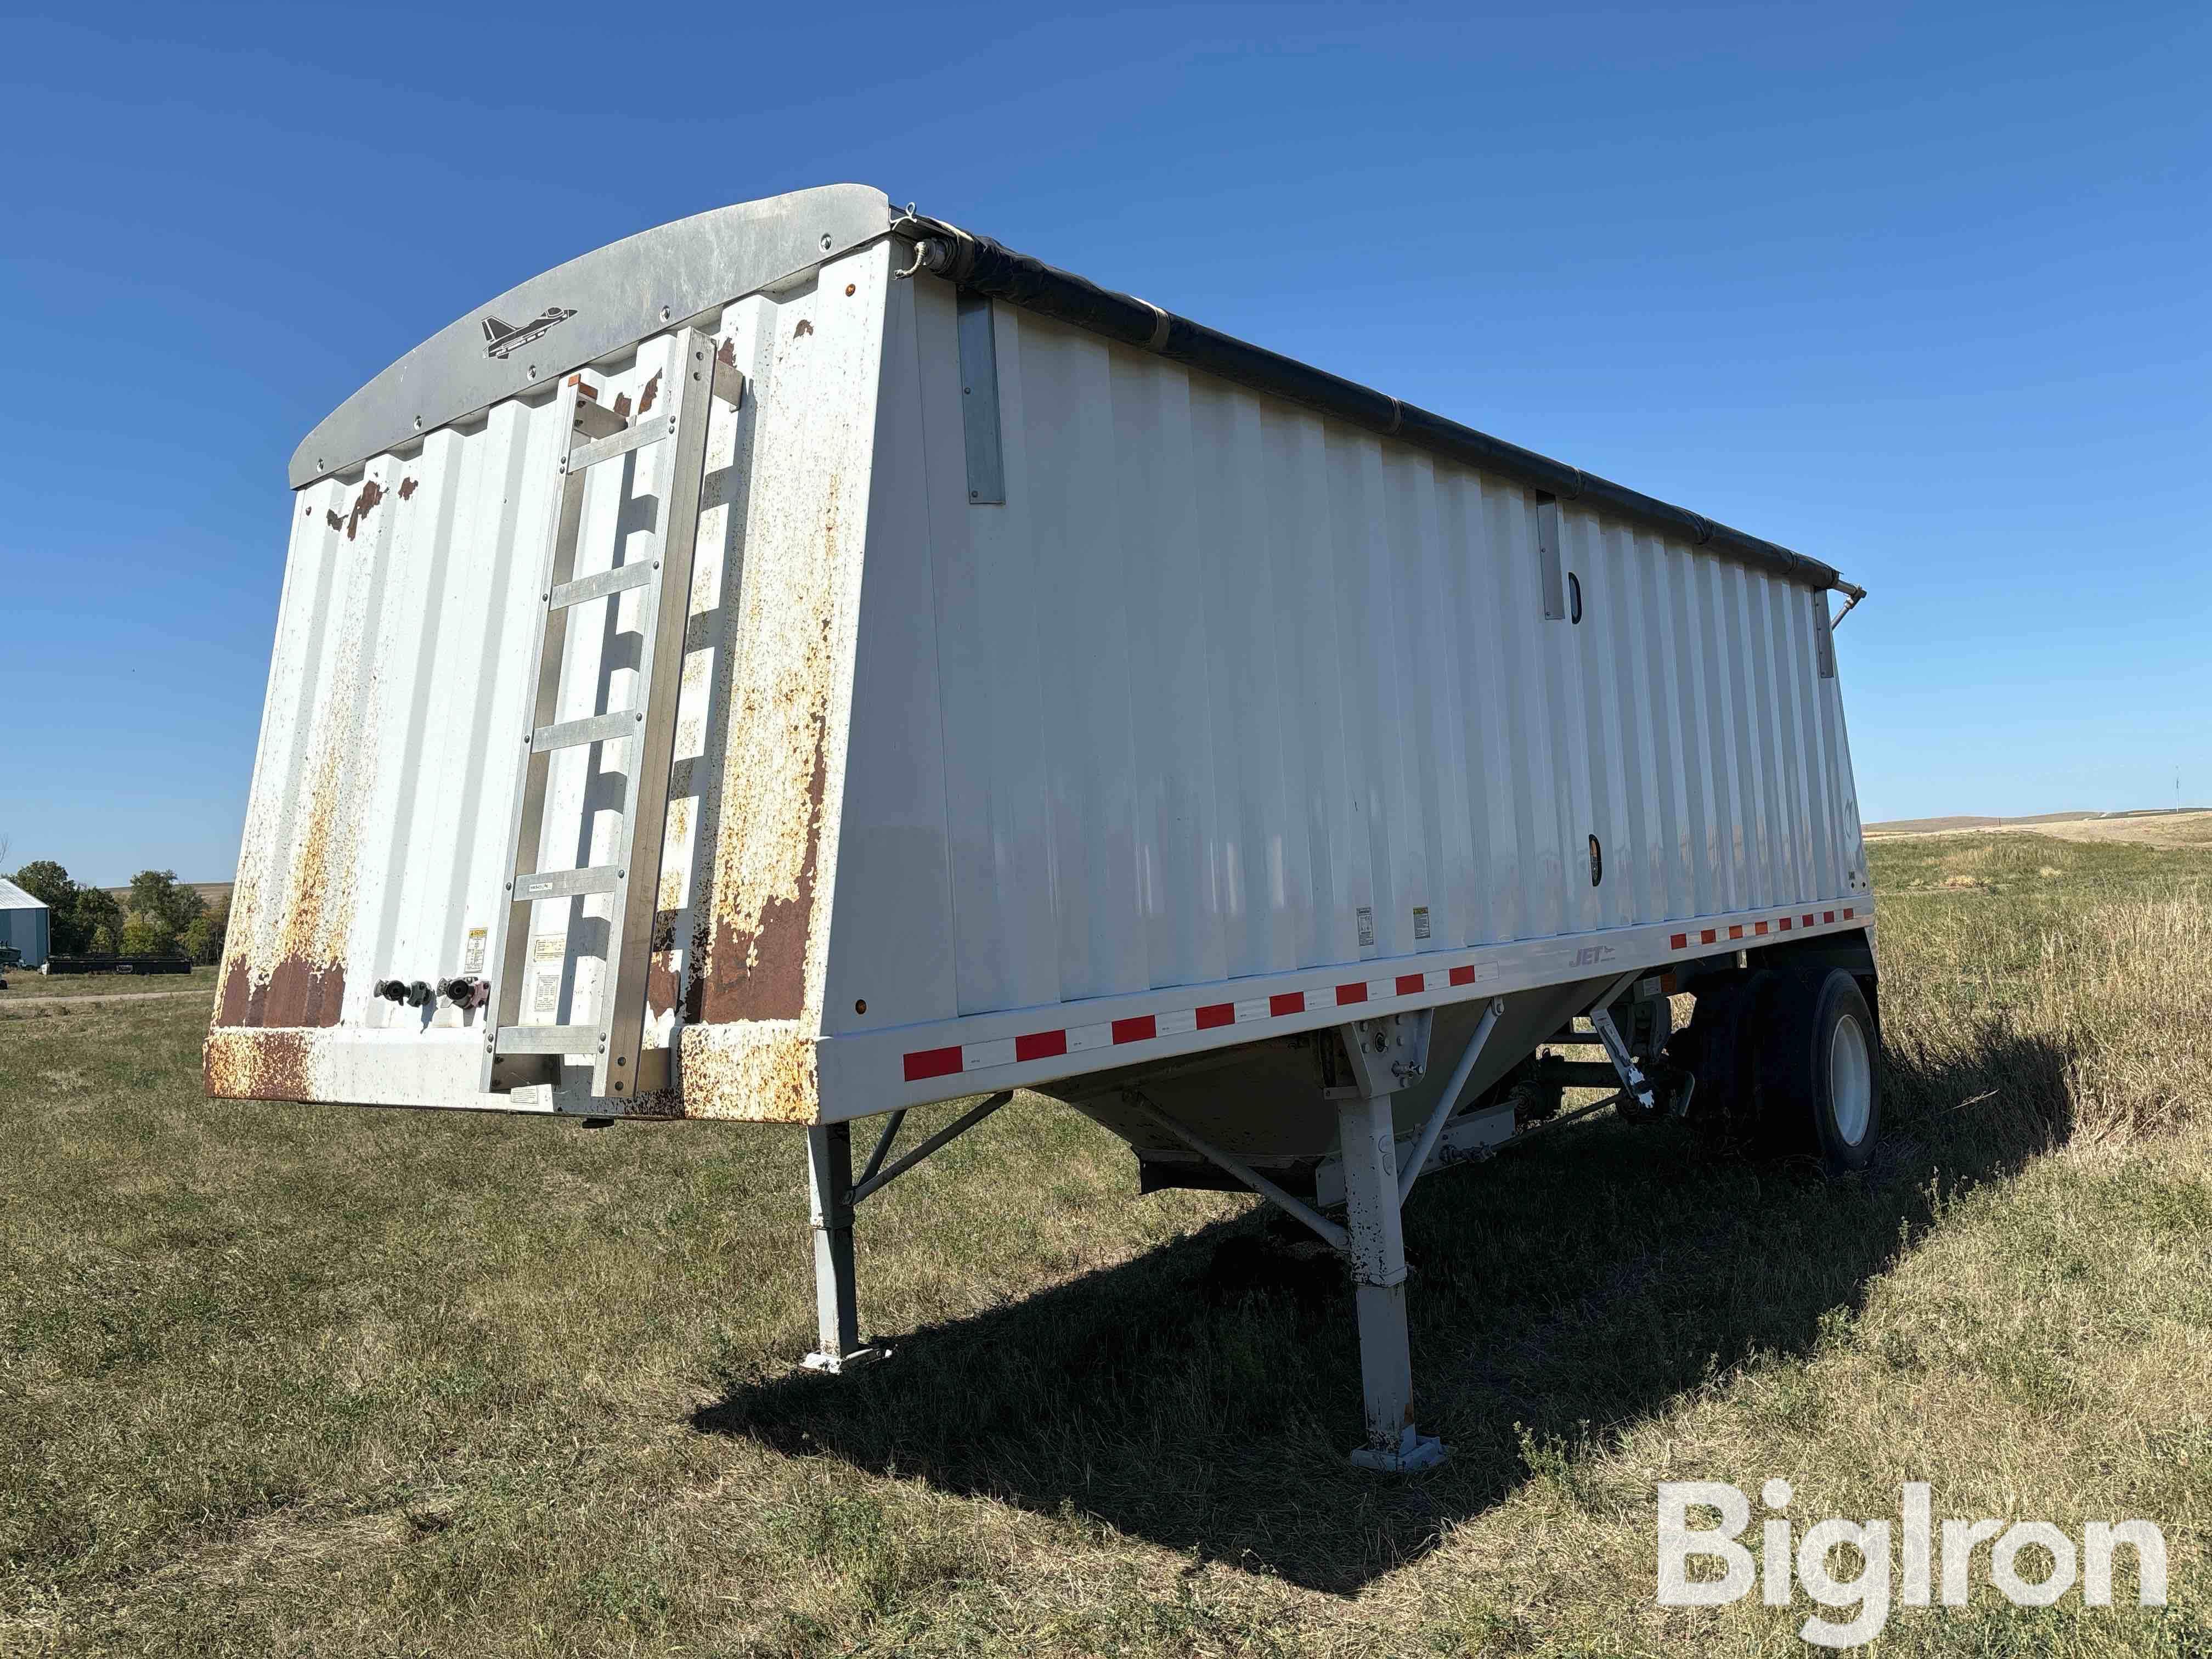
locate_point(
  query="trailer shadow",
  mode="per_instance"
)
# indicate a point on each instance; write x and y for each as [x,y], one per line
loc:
[1203,1396]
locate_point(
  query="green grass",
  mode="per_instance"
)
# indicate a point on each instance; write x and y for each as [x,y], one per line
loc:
[312,1380]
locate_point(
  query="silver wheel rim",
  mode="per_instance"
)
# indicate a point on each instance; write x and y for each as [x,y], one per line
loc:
[1850,1080]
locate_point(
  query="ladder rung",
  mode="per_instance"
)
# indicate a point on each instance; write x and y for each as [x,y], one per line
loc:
[597,728]
[606,582]
[548,1039]
[594,419]
[617,443]
[564,883]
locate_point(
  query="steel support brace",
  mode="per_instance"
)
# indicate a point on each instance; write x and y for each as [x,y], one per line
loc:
[1259,1183]
[829,1187]
[1450,1099]
[884,1145]
[871,1182]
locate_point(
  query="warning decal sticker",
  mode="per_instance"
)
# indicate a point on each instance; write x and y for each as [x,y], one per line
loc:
[549,953]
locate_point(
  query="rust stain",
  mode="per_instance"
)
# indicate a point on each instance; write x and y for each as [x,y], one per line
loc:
[257,1065]
[656,1103]
[727,356]
[759,971]
[651,390]
[333,520]
[306,984]
[235,1006]
[663,985]
[622,405]
[407,490]
[237,988]
[776,779]
[305,995]
[754,1074]
[291,972]
[804,327]
[364,504]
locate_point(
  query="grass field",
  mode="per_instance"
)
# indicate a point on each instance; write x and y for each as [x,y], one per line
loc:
[28,986]
[311,1380]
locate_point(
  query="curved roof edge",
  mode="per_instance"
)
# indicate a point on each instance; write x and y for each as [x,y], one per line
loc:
[616,295]
[595,304]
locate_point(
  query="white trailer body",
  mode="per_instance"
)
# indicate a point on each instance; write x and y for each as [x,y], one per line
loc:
[804,662]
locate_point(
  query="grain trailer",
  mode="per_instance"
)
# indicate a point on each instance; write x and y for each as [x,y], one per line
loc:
[807,661]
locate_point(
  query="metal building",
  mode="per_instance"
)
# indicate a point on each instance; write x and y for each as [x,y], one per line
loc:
[25,923]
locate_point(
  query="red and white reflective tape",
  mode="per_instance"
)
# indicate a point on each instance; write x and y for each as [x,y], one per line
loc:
[956,1059]
[1144,1028]
[1780,924]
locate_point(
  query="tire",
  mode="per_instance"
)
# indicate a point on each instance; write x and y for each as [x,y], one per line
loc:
[1820,1085]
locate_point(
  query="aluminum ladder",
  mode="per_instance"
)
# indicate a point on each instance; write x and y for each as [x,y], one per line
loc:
[613,1041]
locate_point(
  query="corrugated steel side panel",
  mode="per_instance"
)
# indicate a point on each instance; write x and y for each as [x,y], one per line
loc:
[1228,688]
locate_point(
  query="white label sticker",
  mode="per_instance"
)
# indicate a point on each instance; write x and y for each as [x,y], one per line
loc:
[1366,914]
[549,954]
[1420,921]
[472,957]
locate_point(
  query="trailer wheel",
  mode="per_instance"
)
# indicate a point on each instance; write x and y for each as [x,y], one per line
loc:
[1823,1093]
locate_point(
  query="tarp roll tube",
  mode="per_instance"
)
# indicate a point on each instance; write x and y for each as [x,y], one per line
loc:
[988,267]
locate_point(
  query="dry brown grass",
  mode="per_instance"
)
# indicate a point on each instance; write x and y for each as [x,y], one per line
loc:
[315,1381]
[2161,829]
[2192,828]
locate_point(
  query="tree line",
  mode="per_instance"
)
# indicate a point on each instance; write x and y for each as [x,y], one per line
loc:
[158,918]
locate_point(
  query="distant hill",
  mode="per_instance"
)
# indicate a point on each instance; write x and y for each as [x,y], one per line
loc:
[210,891]
[1967,821]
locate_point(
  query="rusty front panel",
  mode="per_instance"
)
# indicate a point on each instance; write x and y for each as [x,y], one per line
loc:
[373,845]
[784,755]
[245,1065]
[292,908]
[759,1071]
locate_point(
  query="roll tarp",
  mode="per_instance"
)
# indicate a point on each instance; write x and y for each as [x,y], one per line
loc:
[991,268]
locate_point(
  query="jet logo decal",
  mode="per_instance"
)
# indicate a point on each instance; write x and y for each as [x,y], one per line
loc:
[499,338]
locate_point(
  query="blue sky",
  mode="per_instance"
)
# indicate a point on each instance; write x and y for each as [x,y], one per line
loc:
[1920,291]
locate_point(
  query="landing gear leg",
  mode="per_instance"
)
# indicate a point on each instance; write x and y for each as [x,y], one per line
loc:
[1385,1059]
[829,1185]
